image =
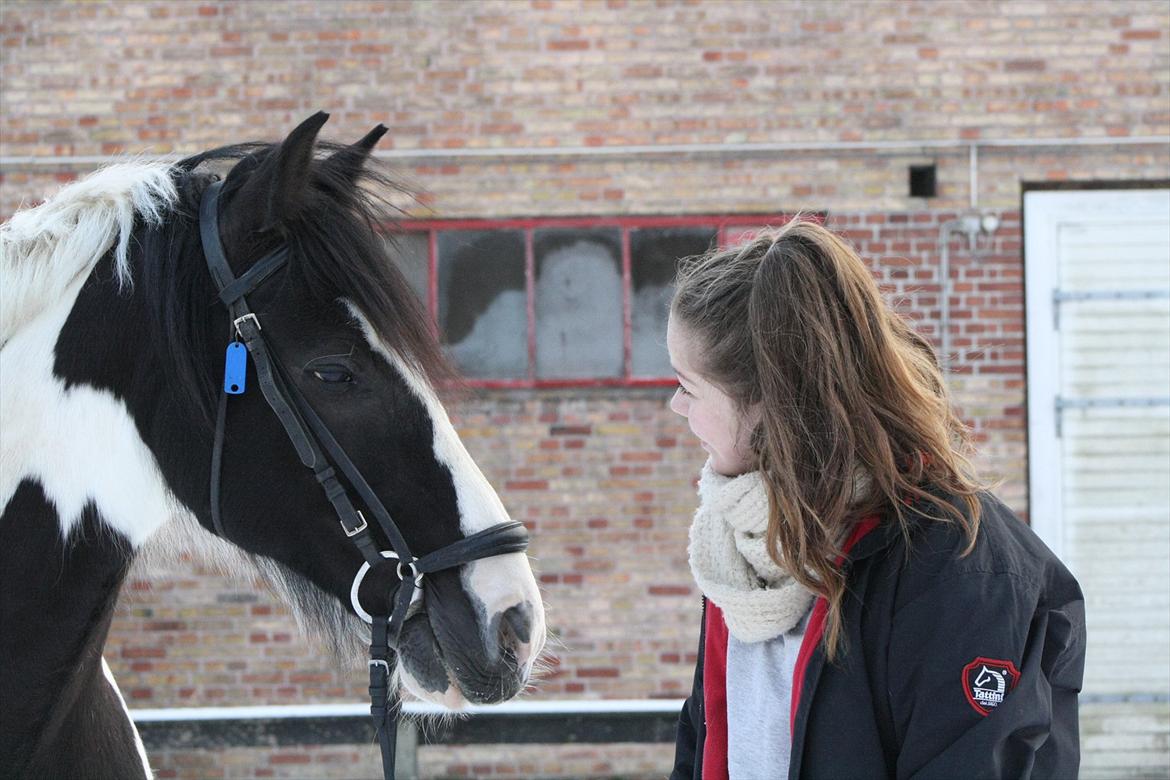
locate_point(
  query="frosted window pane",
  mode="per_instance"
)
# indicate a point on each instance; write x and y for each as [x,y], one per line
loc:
[578,303]
[410,251]
[482,313]
[654,256]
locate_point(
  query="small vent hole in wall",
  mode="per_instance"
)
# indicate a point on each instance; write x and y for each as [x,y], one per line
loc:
[923,181]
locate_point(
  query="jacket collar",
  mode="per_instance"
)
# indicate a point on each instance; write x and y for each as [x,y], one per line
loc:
[873,541]
[888,532]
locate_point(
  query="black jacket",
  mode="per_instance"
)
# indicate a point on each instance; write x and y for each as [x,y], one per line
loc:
[929,636]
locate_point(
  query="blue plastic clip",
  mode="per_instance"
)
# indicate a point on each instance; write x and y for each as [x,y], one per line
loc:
[235,369]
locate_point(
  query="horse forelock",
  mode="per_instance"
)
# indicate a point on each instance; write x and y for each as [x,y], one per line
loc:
[45,248]
[345,256]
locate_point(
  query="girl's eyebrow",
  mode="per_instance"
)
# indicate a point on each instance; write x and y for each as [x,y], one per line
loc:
[681,374]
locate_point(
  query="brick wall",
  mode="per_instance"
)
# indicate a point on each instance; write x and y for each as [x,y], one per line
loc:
[184,75]
[85,79]
[605,478]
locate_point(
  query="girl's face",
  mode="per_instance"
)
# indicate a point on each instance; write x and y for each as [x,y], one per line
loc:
[724,433]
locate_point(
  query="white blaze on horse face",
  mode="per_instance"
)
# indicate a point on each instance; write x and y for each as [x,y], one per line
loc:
[79,443]
[499,582]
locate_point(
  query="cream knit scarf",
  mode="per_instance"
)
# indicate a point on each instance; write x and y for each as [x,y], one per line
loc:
[730,561]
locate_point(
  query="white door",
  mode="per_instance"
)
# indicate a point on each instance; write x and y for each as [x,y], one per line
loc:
[1097,275]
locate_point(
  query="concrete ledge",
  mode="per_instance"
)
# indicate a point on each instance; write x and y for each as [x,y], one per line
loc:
[537,722]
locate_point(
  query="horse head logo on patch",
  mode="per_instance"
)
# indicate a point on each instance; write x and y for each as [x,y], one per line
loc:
[986,681]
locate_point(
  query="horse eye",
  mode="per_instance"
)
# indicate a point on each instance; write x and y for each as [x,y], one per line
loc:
[333,375]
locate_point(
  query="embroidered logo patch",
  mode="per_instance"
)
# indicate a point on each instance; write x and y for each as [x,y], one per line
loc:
[986,681]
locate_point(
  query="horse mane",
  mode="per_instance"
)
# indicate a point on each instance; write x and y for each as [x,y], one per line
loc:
[46,248]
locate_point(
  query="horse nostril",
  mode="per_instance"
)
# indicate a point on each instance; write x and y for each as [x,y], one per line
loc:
[517,622]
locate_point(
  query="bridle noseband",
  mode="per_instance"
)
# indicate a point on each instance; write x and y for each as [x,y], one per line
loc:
[318,450]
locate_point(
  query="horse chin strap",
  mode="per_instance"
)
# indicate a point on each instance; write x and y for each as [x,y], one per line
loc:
[319,451]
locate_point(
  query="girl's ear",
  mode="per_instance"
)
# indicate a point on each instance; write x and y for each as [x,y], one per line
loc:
[752,420]
[753,415]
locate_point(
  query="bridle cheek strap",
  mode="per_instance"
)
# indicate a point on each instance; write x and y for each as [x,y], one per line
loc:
[319,450]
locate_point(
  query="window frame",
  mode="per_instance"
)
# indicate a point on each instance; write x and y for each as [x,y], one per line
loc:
[722,224]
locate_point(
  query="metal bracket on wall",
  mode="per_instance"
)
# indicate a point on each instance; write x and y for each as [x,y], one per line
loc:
[1104,403]
[1061,296]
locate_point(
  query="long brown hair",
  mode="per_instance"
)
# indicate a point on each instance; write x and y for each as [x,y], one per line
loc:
[855,415]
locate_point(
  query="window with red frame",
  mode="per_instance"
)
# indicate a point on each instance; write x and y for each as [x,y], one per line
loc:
[557,302]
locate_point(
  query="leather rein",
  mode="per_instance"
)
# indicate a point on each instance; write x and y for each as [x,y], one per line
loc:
[319,451]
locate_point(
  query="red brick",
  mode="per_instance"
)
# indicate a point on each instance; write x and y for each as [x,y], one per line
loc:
[231,51]
[669,590]
[570,430]
[144,652]
[1141,35]
[531,484]
[568,45]
[290,758]
[641,457]
[599,672]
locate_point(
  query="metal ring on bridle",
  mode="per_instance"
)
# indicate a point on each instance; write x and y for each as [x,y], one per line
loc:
[415,574]
[365,567]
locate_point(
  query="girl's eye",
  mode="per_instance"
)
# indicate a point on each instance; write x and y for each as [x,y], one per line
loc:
[683,390]
[332,374]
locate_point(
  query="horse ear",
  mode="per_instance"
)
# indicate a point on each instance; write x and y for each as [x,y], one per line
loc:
[280,184]
[348,162]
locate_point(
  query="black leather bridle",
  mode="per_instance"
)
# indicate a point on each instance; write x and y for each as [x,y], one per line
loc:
[319,451]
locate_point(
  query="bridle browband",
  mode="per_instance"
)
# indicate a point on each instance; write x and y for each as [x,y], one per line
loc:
[319,450]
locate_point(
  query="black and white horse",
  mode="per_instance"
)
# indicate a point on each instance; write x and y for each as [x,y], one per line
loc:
[111,360]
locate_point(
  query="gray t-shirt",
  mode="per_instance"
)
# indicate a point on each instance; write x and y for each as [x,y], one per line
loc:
[759,695]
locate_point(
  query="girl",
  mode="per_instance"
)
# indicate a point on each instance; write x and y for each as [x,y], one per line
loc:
[869,610]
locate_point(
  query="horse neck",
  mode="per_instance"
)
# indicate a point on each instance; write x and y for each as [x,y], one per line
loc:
[88,411]
[80,378]
[58,596]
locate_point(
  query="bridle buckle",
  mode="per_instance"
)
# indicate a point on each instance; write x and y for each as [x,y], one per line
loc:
[249,316]
[359,529]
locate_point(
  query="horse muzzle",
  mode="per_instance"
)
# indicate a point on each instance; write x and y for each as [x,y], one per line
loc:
[461,648]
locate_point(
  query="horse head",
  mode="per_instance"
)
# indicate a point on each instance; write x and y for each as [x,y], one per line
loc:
[345,332]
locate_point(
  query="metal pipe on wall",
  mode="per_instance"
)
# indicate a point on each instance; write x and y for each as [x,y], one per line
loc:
[647,149]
